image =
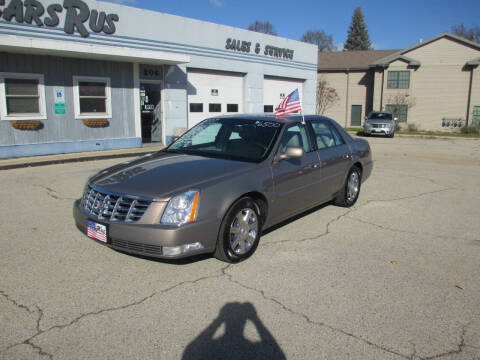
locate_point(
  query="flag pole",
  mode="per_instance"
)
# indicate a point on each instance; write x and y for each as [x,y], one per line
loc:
[301,111]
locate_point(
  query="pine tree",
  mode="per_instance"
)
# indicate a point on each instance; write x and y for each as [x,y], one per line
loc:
[358,38]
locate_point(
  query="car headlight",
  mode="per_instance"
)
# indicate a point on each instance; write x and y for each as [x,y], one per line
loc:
[181,209]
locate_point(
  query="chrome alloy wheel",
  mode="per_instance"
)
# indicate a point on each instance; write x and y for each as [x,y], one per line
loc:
[353,186]
[243,231]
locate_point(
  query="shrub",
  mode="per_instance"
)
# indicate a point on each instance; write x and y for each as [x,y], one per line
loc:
[412,127]
[472,129]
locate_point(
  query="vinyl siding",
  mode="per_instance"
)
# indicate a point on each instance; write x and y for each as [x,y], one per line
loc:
[59,71]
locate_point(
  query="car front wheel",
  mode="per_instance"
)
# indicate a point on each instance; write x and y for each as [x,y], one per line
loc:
[349,194]
[240,231]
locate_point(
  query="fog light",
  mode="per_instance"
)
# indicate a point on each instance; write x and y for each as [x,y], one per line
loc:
[182,249]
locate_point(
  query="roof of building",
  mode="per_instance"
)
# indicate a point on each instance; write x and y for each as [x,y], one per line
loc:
[351,60]
[362,60]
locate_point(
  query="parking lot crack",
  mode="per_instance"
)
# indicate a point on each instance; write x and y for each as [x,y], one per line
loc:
[39,311]
[456,351]
[53,193]
[16,303]
[382,227]
[313,322]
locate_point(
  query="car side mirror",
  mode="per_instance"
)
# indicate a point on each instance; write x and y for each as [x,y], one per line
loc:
[395,119]
[292,153]
[366,117]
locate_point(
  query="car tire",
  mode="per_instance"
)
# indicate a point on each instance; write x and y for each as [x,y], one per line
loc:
[239,232]
[392,135]
[351,190]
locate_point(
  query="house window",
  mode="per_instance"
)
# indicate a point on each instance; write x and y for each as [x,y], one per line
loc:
[215,107]
[196,107]
[399,111]
[232,107]
[476,115]
[398,80]
[92,97]
[268,108]
[22,97]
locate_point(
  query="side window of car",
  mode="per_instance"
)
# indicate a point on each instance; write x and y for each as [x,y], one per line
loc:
[338,138]
[295,136]
[323,135]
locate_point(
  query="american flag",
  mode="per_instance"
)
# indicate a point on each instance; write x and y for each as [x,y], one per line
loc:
[97,231]
[290,104]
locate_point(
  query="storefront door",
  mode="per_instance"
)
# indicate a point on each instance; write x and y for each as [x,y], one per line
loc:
[151,112]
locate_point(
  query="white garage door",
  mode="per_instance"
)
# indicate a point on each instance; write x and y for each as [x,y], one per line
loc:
[213,93]
[275,90]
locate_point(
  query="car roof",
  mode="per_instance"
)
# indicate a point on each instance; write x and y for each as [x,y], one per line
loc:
[271,117]
[381,112]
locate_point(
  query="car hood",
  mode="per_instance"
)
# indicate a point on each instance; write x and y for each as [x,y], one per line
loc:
[162,175]
[379,121]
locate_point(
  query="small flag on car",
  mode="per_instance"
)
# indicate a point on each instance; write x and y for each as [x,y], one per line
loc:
[291,104]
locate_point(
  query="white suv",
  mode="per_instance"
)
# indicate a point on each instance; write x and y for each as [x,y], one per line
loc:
[380,123]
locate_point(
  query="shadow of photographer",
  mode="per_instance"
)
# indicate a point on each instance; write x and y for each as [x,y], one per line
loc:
[232,344]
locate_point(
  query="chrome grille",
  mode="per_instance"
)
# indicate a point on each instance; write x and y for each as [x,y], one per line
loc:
[141,248]
[110,206]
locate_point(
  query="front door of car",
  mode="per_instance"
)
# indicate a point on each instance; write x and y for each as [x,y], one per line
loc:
[334,153]
[295,180]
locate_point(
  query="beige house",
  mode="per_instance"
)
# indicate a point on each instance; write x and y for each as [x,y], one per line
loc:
[434,85]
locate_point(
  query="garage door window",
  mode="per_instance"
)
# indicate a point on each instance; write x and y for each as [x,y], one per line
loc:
[22,97]
[215,107]
[268,108]
[196,107]
[232,107]
[92,97]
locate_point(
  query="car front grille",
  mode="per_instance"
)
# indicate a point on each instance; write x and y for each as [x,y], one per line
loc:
[105,205]
[140,248]
[379,126]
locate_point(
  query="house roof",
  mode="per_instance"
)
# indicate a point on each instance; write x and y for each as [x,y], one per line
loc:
[362,60]
[351,60]
[401,53]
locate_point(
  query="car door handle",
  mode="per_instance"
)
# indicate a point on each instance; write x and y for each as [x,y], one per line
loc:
[347,156]
[314,166]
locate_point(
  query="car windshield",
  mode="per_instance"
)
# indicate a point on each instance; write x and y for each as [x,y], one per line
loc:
[380,116]
[236,139]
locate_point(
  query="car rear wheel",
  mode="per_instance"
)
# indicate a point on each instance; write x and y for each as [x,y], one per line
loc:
[349,194]
[240,231]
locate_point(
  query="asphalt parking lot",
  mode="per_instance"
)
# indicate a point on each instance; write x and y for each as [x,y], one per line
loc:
[394,277]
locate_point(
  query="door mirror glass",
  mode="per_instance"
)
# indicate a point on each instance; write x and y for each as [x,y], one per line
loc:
[292,153]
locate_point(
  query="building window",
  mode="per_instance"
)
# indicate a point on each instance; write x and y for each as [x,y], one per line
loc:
[215,107]
[398,80]
[22,97]
[476,115]
[232,107]
[268,108]
[196,107]
[92,97]
[399,111]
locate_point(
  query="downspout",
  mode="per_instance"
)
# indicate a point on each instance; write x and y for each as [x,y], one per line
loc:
[469,96]
[381,92]
[346,100]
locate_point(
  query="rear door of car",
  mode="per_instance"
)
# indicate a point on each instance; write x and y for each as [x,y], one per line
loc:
[296,180]
[334,154]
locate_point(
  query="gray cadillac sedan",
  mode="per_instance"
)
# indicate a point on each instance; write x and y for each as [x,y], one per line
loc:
[219,185]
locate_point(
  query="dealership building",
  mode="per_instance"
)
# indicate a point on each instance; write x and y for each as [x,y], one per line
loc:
[79,75]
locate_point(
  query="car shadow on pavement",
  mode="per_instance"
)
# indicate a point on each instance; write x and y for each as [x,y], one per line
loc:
[225,338]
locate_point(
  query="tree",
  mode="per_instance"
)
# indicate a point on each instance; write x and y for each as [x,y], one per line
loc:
[319,38]
[358,38]
[326,96]
[472,34]
[262,27]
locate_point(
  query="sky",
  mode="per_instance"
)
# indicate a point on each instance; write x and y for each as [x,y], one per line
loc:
[391,24]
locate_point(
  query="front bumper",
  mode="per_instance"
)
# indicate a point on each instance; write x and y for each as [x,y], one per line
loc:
[149,239]
[378,131]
